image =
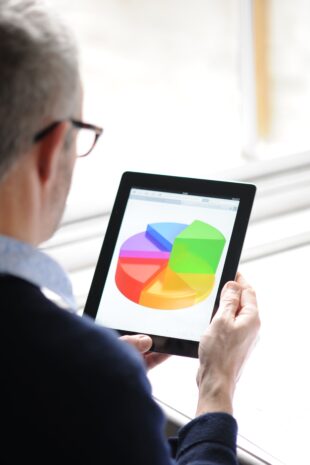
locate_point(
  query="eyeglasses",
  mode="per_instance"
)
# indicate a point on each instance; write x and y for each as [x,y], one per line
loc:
[86,139]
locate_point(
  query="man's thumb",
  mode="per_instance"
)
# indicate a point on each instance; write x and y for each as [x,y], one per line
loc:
[141,342]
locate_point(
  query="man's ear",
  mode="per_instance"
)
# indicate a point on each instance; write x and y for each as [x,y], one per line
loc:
[48,151]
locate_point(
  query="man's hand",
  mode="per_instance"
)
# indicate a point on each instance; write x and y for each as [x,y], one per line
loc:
[226,345]
[143,344]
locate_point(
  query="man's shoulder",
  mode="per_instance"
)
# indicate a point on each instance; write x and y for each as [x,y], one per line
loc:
[58,333]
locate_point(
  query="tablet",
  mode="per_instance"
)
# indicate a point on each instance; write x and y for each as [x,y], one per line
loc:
[170,246]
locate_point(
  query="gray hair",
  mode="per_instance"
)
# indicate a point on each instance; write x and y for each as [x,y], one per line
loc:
[39,75]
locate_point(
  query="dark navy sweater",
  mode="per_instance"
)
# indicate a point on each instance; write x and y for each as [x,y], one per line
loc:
[71,392]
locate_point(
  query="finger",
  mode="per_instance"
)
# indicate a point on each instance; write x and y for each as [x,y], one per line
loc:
[230,299]
[248,298]
[153,359]
[141,342]
[231,285]
[249,313]
[240,280]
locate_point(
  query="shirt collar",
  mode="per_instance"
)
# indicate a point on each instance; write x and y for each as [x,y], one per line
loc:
[29,263]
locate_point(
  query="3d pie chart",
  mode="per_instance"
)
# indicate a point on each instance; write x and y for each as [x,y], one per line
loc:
[170,266]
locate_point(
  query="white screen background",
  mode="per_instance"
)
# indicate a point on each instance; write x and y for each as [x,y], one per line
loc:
[118,312]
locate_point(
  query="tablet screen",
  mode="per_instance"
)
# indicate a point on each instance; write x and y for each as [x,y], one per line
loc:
[167,263]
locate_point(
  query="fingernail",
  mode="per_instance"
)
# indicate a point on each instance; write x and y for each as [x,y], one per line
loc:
[232,286]
[144,342]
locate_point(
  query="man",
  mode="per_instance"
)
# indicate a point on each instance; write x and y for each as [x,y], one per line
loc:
[72,392]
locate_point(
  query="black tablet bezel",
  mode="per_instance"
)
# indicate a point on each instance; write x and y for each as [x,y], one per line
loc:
[210,188]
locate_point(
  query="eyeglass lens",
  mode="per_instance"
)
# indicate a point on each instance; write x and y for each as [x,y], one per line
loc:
[85,141]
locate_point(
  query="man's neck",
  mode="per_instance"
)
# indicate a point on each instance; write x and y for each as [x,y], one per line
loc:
[18,209]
